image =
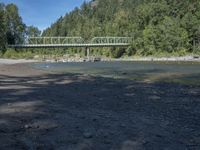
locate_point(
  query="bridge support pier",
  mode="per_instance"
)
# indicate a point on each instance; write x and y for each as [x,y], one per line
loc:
[88,53]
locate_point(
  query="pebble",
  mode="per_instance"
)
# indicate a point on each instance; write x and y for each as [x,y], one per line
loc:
[94,119]
[27,126]
[122,125]
[82,117]
[126,101]
[107,141]
[155,97]
[87,134]
[77,127]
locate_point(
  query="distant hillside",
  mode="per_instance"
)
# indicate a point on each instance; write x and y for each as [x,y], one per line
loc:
[157,25]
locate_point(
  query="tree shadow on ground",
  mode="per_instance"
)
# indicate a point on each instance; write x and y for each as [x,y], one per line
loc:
[76,112]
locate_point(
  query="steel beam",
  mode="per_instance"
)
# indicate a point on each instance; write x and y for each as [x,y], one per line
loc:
[53,42]
[68,45]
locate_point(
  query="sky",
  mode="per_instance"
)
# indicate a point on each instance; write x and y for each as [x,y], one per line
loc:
[42,13]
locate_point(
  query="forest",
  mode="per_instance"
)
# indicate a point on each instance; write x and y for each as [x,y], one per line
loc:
[159,27]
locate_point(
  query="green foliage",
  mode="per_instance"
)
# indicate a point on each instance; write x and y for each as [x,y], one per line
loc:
[150,13]
[15,27]
[117,52]
[14,54]
[12,29]
[2,28]
[130,51]
[11,53]
[159,27]
[33,31]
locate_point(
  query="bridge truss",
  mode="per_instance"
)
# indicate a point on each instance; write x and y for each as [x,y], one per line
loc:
[62,42]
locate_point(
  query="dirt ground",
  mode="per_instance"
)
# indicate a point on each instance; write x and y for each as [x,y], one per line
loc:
[47,111]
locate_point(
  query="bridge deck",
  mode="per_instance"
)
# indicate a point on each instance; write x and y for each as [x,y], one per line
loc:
[68,45]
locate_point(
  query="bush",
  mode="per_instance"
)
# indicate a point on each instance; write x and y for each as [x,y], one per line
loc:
[117,52]
[130,51]
[27,55]
[1,53]
[10,53]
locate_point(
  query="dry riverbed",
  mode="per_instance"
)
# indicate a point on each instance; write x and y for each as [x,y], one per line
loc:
[47,111]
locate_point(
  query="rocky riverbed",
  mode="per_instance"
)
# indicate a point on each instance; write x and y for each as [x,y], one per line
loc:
[44,110]
[93,59]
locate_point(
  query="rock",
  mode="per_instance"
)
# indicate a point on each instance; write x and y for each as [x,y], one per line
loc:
[82,117]
[107,142]
[100,98]
[154,97]
[94,119]
[196,57]
[103,133]
[158,135]
[10,126]
[77,127]
[126,101]
[123,125]
[36,57]
[27,126]
[132,145]
[88,134]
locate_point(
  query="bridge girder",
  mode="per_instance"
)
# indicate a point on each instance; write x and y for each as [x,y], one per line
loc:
[53,42]
[102,40]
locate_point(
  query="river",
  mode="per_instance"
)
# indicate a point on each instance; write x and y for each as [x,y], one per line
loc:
[181,72]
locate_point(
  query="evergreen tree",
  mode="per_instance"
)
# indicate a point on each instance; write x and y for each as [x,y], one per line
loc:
[33,31]
[15,27]
[156,25]
[2,28]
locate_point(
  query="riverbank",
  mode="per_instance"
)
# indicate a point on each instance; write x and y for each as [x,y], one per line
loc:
[93,59]
[16,61]
[134,58]
[44,110]
[172,58]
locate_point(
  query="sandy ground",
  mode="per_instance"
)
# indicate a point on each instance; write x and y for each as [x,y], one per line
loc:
[45,111]
[15,61]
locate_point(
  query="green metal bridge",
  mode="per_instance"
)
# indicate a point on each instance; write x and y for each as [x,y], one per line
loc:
[70,42]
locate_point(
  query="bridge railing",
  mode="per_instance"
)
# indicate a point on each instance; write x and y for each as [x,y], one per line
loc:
[78,40]
[54,40]
[112,40]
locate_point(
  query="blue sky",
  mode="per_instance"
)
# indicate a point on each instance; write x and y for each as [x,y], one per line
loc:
[42,13]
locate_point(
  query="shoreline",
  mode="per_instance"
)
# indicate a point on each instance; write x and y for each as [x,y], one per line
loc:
[161,59]
[5,61]
[133,59]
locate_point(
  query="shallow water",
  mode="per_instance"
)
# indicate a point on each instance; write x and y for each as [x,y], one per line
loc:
[187,72]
